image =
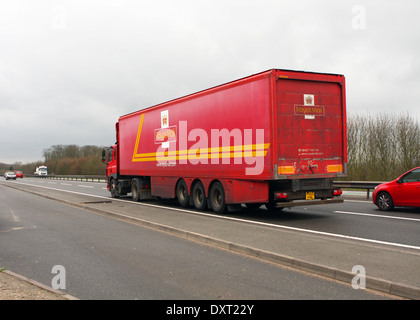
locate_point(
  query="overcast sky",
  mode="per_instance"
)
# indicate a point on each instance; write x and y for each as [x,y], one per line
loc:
[69,69]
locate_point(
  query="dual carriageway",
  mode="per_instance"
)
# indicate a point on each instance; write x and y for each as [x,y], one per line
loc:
[325,240]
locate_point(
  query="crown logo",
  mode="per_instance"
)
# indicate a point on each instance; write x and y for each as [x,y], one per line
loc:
[308,99]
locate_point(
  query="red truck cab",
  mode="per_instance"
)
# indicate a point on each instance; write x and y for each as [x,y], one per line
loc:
[110,157]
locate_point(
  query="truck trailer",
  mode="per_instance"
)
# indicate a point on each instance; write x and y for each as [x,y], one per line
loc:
[276,138]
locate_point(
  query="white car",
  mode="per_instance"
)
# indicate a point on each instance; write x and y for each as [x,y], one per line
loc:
[10,175]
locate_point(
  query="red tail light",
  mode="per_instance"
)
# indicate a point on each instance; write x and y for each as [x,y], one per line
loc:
[281,195]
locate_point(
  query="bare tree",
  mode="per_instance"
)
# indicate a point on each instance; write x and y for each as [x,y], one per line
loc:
[382,147]
[408,141]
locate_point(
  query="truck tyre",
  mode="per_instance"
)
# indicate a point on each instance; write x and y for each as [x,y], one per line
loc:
[114,188]
[135,189]
[384,201]
[217,198]
[182,193]
[199,196]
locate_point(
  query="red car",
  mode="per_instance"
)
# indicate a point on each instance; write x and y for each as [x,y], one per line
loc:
[402,192]
[19,174]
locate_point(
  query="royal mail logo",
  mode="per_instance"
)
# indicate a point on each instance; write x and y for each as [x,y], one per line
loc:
[308,99]
[309,110]
[167,134]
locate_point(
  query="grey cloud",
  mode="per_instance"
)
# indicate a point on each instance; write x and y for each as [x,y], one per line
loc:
[69,69]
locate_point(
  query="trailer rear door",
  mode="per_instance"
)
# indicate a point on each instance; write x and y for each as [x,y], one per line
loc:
[310,128]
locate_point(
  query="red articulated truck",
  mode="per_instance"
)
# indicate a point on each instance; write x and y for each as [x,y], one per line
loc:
[276,138]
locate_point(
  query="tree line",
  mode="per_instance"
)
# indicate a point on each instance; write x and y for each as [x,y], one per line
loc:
[380,148]
[65,160]
[74,160]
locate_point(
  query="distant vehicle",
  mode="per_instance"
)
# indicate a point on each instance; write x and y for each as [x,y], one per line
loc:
[401,192]
[41,171]
[10,175]
[19,174]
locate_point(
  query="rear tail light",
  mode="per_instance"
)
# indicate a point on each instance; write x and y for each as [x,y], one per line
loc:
[281,195]
[337,192]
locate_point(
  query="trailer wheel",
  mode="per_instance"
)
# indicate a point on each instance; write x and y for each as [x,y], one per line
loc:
[217,198]
[135,189]
[182,193]
[199,196]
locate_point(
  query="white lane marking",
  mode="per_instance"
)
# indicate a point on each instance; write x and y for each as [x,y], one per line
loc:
[342,236]
[12,212]
[360,201]
[82,186]
[377,215]
[66,184]
[18,228]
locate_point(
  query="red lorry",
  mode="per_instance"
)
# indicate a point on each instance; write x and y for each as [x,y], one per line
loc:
[276,138]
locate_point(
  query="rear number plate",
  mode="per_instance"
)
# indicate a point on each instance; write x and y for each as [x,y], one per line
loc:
[310,195]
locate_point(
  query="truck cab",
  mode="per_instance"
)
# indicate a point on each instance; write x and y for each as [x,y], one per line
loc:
[41,171]
[110,158]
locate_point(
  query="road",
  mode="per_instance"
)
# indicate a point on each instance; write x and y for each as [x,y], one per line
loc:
[107,258]
[356,218]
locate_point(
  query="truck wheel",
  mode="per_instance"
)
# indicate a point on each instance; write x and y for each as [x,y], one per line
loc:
[135,189]
[217,198]
[114,188]
[384,201]
[199,196]
[182,193]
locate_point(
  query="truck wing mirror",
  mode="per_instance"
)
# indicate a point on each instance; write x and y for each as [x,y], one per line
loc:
[103,154]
